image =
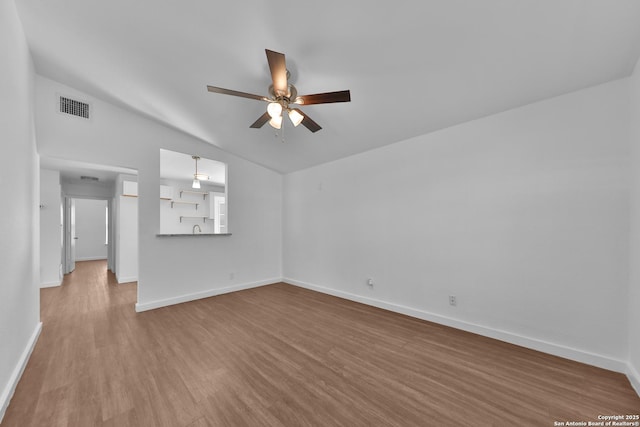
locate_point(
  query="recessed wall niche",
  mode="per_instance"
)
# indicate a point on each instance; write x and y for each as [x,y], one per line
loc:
[193,195]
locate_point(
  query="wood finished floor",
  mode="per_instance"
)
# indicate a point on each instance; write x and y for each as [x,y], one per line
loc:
[283,356]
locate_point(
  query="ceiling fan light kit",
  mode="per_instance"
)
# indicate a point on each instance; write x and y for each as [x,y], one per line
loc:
[295,117]
[282,94]
[276,122]
[274,109]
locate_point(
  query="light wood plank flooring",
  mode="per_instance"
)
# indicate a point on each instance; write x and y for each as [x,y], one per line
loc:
[283,356]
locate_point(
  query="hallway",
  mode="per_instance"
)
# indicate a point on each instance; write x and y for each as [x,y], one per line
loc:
[74,375]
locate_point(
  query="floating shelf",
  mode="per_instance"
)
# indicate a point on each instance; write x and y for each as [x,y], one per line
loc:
[184,203]
[203,218]
[201,193]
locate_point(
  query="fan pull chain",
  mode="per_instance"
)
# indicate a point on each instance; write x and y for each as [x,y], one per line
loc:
[283,126]
[281,133]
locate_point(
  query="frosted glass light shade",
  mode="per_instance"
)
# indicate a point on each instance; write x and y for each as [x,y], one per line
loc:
[296,118]
[274,109]
[196,184]
[276,122]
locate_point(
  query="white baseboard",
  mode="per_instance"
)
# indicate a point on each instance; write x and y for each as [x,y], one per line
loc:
[121,280]
[91,258]
[204,294]
[10,387]
[634,377]
[51,284]
[506,336]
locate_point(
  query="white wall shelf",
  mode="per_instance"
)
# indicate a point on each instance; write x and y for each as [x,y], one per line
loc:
[196,204]
[201,193]
[203,218]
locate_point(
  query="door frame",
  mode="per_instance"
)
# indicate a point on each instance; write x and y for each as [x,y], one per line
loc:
[68,261]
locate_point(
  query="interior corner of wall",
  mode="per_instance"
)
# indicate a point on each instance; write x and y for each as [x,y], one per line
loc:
[633,374]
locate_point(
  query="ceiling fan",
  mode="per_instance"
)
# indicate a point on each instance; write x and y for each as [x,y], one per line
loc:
[283,95]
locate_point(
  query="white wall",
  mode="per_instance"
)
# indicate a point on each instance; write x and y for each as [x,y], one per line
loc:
[127,240]
[634,282]
[126,232]
[173,269]
[522,215]
[50,229]
[124,246]
[19,217]
[90,229]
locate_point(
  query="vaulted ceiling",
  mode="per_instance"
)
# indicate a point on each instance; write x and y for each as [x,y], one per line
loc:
[413,67]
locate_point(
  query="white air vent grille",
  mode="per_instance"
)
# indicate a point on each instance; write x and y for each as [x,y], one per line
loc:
[73,107]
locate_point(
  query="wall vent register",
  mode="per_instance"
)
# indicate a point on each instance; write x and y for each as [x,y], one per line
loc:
[73,107]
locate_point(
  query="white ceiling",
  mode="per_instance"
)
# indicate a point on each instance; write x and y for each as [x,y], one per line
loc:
[73,171]
[413,67]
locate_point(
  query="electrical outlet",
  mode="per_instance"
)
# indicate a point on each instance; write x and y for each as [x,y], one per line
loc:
[453,300]
[370,282]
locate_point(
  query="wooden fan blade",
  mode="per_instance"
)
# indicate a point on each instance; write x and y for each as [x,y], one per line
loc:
[236,93]
[261,121]
[324,98]
[278,68]
[307,122]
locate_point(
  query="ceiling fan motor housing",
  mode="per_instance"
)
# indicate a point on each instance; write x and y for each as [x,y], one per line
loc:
[292,94]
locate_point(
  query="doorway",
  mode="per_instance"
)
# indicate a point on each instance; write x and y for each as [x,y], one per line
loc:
[87,233]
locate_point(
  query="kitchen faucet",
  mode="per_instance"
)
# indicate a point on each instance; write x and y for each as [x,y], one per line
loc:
[194,229]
